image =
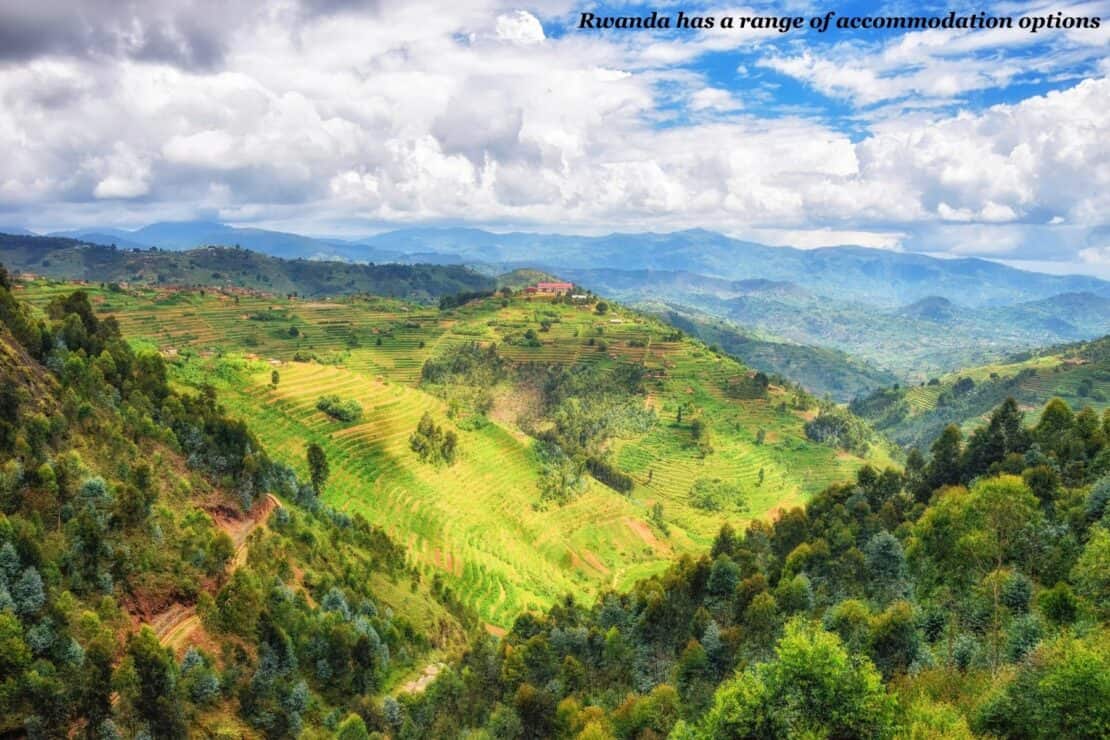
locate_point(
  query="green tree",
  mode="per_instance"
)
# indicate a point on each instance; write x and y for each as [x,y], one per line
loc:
[1063,690]
[150,685]
[352,728]
[317,467]
[812,689]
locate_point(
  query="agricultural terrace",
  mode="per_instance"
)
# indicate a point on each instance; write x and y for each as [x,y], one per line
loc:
[479,523]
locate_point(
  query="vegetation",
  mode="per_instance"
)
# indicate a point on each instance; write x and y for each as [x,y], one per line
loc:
[914,415]
[963,597]
[124,501]
[527,419]
[165,569]
[227,266]
[337,408]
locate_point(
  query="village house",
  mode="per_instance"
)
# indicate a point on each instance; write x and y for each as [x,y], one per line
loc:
[549,288]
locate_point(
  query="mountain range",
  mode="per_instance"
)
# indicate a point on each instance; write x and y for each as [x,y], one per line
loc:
[899,315]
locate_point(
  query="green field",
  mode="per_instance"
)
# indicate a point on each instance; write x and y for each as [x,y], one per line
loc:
[477,522]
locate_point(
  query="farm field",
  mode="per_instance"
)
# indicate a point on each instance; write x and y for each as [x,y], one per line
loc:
[479,523]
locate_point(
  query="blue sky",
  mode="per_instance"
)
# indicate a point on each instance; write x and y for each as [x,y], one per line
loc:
[352,116]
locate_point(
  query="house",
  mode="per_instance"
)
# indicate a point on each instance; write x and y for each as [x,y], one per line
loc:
[551,288]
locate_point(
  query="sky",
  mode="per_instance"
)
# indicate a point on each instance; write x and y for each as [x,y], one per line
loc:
[349,117]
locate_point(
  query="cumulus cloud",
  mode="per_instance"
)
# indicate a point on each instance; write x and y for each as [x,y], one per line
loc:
[519,27]
[339,112]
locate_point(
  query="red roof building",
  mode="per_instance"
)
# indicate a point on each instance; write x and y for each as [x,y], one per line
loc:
[554,287]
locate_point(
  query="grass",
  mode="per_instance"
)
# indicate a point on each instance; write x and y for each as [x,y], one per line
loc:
[475,523]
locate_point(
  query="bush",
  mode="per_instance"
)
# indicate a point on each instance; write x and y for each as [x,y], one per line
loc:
[609,475]
[336,408]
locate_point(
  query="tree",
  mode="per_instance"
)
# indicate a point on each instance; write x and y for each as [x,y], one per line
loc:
[151,685]
[1092,571]
[886,568]
[1063,690]
[317,467]
[811,689]
[944,465]
[602,307]
[352,728]
[274,378]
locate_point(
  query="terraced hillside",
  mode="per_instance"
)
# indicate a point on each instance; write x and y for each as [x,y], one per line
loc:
[480,524]
[1078,373]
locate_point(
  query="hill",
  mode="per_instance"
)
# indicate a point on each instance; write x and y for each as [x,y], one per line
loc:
[871,276]
[824,372]
[229,266]
[967,597]
[591,443]
[160,574]
[915,415]
[913,342]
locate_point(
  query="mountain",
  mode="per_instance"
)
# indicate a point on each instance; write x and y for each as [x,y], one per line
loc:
[513,517]
[933,308]
[873,276]
[568,423]
[228,266]
[923,338]
[824,372]
[185,235]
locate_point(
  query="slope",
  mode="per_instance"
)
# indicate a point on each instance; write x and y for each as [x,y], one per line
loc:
[481,523]
[913,415]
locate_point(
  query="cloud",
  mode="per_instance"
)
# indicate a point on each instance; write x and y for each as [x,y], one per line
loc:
[519,27]
[340,113]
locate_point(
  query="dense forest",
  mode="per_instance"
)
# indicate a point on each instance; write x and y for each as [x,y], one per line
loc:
[114,495]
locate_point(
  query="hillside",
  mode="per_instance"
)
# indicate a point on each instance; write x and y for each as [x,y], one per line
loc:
[566,387]
[914,415]
[915,341]
[160,574]
[821,371]
[966,598]
[230,266]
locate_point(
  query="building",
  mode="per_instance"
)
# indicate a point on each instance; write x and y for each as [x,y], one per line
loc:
[549,288]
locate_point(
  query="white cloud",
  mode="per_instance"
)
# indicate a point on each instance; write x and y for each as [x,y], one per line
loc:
[423,111]
[519,27]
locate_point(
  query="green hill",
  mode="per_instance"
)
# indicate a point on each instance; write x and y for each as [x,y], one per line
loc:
[966,598]
[227,266]
[915,415]
[517,520]
[160,574]
[820,370]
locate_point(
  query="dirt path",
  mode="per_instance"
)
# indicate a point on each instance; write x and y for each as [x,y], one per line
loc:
[417,685]
[175,625]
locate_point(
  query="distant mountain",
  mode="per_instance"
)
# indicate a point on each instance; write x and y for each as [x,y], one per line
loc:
[822,371]
[914,341]
[871,276]
[182,235]
[934,308]
[16,230]
[67,258]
